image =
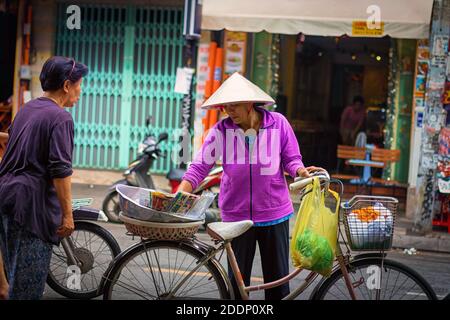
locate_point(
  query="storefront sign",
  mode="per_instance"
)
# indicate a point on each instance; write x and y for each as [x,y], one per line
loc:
[360,28]
[235,49]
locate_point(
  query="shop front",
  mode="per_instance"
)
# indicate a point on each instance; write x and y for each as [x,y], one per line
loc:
[314,57]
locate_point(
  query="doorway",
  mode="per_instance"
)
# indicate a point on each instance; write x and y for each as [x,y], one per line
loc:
[330,72]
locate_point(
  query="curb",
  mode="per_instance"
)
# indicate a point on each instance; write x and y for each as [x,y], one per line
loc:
[433,242]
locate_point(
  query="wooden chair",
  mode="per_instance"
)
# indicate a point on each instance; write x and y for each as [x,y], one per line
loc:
[346,153]
[5,116]
[5,121]
[387,157]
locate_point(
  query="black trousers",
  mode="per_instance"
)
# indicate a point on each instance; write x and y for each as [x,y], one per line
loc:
[273,242]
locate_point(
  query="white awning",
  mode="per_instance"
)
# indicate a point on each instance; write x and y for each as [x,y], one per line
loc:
[408,19]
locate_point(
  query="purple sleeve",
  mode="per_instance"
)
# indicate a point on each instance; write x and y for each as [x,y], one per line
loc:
[290,150]
[205,158]
[60,150]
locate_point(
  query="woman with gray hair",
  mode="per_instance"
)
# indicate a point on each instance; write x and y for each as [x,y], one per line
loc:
[35,181]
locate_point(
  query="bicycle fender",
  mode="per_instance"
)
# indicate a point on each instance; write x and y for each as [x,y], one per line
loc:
[89,214]
[369,255]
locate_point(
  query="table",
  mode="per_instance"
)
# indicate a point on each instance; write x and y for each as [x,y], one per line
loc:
[367,164]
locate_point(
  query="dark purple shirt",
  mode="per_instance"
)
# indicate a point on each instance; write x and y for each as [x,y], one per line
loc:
[39,149]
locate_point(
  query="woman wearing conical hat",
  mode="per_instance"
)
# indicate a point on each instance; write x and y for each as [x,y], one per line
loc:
[256,147]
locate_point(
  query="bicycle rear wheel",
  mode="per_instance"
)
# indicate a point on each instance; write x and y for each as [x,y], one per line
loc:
[96,248]
[392,281]
[153,269]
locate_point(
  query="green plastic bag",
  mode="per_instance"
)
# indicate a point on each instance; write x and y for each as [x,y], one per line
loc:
[314,238]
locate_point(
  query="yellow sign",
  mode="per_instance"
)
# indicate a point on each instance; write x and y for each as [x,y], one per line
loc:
[235,50]
[359,28]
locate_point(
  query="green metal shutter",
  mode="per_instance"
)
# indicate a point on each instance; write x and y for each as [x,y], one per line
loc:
[132,53]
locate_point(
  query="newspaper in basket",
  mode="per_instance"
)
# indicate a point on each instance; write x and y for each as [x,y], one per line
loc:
[134,201]
[369,222]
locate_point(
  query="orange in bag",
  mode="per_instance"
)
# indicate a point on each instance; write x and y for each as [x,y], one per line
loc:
[367,214]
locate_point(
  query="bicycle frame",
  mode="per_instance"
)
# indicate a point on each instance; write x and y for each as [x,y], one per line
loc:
[243,290]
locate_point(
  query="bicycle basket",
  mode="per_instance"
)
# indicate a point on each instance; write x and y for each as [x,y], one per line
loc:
[133,202]
[369,222]
[160,231]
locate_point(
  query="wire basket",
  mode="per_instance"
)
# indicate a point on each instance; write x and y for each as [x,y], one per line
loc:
[369,222]
[160,231]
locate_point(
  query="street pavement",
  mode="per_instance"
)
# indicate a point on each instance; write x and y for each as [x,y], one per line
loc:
[433,266]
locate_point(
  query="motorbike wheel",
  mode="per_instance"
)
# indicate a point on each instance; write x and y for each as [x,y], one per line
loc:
[96,248]
[111,206]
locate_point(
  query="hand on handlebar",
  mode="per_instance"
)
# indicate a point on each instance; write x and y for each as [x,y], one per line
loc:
[309,171]
[306,176]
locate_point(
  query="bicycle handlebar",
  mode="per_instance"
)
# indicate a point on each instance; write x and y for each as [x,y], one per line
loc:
[301,183]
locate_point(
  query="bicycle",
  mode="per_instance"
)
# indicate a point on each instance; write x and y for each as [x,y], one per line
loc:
[88,251]
[188,268]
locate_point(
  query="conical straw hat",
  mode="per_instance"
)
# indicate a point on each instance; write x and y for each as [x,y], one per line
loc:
[237,89]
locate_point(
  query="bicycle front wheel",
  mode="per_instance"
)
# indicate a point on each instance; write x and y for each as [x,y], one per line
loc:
[373,280]
[156,270]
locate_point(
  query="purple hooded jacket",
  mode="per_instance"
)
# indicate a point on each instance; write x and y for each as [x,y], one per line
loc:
[251,188]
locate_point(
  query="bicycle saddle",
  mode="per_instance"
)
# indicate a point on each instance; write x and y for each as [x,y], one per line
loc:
[228,230]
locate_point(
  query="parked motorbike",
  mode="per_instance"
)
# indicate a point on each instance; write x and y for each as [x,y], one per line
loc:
[79,262]
[137,174]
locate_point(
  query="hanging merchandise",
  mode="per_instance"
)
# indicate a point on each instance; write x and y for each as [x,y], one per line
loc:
[444,163]
[444,143]
[432,184]
[440,49]
[446,95]
[423,60]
